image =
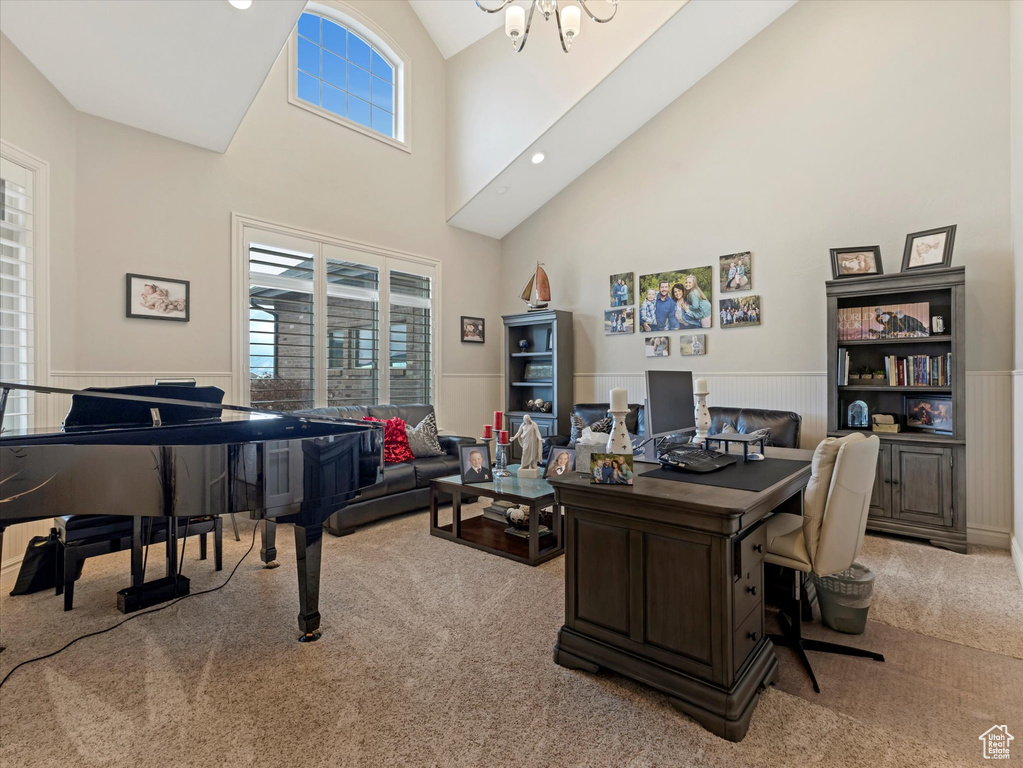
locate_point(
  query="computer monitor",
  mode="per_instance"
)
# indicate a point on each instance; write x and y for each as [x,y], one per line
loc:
[669,402]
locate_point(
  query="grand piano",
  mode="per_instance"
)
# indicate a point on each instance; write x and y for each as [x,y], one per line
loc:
[158,451]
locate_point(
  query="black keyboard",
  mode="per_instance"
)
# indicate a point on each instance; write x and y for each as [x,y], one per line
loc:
[695,460]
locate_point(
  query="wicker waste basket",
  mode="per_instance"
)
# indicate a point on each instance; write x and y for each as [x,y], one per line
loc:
[844,598]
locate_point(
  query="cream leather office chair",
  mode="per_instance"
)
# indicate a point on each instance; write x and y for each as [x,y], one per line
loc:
[828,536]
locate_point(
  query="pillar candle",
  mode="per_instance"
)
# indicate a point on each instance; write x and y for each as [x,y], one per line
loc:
[619,399]
[498,420]
[488,430]
[701,387]
[502,437]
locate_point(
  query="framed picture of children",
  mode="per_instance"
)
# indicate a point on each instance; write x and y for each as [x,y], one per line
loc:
[473,330]
[656,346]
[561,462]
[736,272]
[929,249]
[677,301]
[618,321]
[611,469]
[739,313]
[929,414]
[156,298]
[696,344]
[474,461]
[623,287]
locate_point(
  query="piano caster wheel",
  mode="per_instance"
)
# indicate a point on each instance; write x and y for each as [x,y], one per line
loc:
[271,565]
[310,637]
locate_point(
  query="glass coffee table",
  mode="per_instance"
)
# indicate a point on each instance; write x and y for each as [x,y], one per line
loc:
[489,535]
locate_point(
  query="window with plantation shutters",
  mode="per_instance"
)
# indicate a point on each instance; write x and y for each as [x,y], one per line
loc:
[17,291]
[331,325]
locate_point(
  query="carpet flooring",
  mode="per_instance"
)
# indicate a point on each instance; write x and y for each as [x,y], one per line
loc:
[436,654]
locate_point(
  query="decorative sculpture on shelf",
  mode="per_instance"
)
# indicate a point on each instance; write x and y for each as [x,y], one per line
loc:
[531,441]
[537,292]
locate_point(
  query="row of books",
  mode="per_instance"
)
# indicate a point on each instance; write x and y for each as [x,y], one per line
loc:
[919,370]
[909,371]
[889,321]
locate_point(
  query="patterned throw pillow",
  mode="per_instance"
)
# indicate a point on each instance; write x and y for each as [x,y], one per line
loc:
[422,438]
[578,425]
[396,448]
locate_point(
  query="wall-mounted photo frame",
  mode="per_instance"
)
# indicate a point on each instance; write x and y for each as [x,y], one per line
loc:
[856,262]
[656,346]
[618,321]
[474,462]
[740,313]
[561,462]
[623,288]
[473,330]
[929,414]
[930,249]
[156,298]
[735,272]
[695,344]
[677,301]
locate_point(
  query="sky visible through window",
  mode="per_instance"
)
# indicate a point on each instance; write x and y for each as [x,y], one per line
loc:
[342,73]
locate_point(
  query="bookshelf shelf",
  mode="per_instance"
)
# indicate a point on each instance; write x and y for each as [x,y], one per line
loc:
[920,484]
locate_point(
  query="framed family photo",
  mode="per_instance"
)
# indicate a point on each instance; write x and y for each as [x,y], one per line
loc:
[156,298]
[736,272]
[473,330]
[677,301]
[617,321]
[930,249]
[656,346]
[739,313]
[611,468]
[623,288]
[855,262]
[561,462]
[474,462]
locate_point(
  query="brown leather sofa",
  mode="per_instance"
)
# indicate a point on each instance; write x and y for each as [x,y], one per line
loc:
[784,425]
[403,487]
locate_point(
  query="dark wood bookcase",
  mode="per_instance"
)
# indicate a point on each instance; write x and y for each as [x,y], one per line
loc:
[550,344]
[920,486]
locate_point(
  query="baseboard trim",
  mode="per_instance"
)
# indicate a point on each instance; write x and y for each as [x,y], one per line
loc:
[988,537]
[9,573]
[1017,557]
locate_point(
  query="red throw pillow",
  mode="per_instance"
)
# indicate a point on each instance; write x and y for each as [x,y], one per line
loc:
[396,447]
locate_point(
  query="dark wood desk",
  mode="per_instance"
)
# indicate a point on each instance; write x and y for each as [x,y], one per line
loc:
[664,584]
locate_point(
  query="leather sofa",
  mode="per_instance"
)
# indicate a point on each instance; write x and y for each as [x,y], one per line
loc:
[784,425]
[403,487]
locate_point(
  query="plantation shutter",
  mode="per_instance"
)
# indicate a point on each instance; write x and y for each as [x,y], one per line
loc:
[353,333]
[17,291]
[411,338]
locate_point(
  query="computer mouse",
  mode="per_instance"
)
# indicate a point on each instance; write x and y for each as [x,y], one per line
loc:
[755,457]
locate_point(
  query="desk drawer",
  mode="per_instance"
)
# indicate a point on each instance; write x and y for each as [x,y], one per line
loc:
[746,638]
[748,576]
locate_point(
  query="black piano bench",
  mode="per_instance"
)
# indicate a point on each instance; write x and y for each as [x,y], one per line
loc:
[83,536]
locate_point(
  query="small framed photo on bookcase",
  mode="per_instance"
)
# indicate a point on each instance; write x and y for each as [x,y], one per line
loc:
[930,249]
[856,262]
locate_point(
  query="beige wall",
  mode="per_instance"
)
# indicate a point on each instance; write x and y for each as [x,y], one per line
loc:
[500,102]
[1016,106]
[37,119]
[841,124]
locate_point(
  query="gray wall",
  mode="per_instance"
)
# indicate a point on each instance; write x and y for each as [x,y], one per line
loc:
[841,124]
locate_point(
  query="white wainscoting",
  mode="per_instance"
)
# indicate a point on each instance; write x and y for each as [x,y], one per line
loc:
[988,419]
[1016,538]
[467,401]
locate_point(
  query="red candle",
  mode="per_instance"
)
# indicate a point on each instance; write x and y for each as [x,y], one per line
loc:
[498,420]
[488,430]
[502,438]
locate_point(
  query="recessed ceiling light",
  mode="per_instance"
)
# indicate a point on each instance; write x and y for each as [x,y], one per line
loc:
[538,158]
[501,190]
[241,5]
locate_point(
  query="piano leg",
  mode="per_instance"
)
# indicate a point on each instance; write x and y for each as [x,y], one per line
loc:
[308,541]
[268,543]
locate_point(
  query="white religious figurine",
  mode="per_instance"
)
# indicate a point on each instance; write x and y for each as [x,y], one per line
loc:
[531,441]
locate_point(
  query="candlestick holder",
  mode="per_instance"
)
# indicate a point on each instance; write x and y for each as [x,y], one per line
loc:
[619,441]
[702,417]
[501,461]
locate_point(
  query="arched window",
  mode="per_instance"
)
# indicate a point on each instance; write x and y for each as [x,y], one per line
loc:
[346,71]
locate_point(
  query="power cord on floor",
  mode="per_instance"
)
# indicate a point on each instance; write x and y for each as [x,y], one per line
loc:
[138,615]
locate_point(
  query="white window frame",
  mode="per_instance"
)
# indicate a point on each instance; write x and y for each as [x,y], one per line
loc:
[246,230]
[352,19]
[40,170]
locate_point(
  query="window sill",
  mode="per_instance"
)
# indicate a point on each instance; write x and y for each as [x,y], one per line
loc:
[405,146]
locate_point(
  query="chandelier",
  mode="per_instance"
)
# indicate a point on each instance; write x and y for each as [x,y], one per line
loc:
[516,23]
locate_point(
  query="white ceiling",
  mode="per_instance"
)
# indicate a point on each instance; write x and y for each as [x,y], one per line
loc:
[685,49]
[187,70]
[456,24]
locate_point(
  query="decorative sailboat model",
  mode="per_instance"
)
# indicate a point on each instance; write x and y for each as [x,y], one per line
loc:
[537,292]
